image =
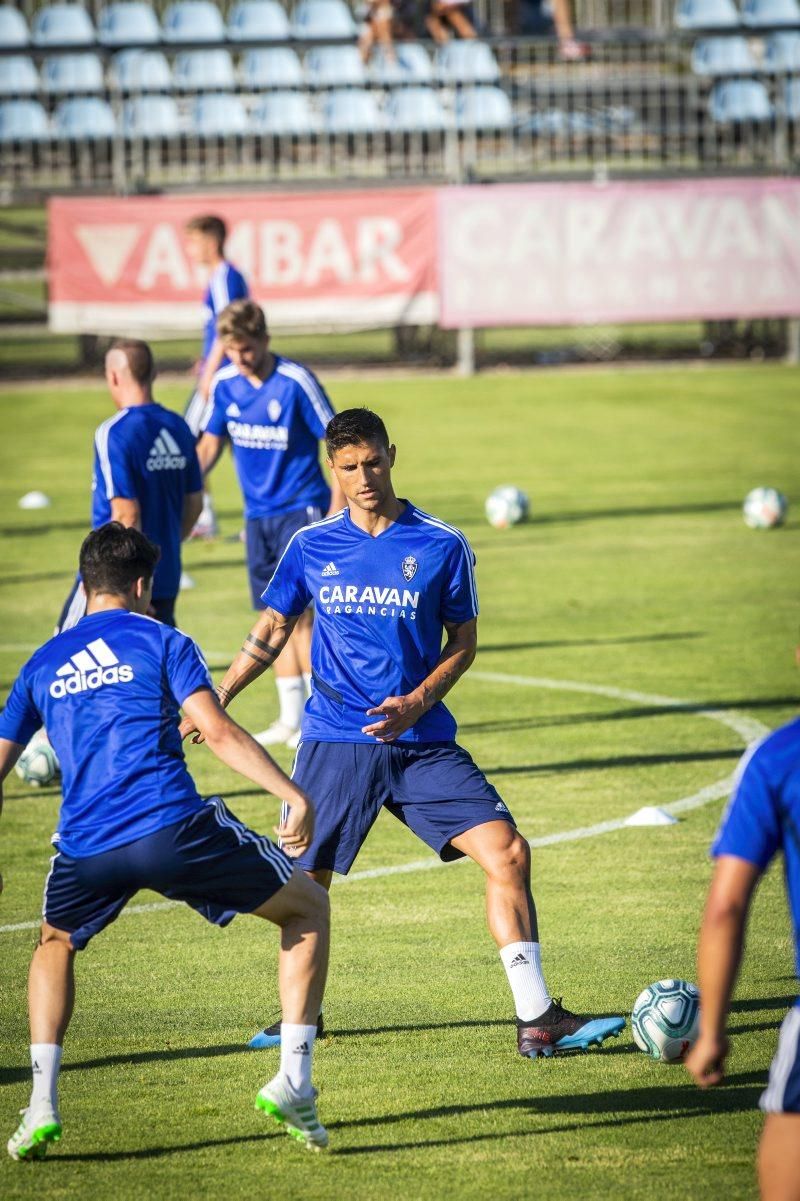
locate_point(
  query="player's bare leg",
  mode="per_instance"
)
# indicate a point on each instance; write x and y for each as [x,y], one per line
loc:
[779,1158]
[292,678]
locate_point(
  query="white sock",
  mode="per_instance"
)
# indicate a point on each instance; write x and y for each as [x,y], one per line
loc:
[307,683]
[523,964]
[45,1062]
[292,698]
[297,1048]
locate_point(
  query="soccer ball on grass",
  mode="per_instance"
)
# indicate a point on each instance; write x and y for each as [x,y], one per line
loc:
[764,508]
[38,763]
[506,506]
[665,1019]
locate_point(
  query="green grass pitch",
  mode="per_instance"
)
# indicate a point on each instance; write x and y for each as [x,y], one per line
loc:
[636,572]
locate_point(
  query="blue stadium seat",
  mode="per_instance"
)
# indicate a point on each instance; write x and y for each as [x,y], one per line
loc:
[559,123]
[762,14]
[467,62]
[197,70]
[351,110]
[63,25]
[334,66]
[193,21]
[739,100]
[13,29]
[258,20]
[84,117]
[218,115]
[318,19]
[417,109]
[272,67]
[483,108]
[128,23]
[18,76]
[150,117]
[723,56]
[141,71]
[782,52]
[72,74]
[284,114]
[706,14]
[411,66]
[791,99]
[23,121]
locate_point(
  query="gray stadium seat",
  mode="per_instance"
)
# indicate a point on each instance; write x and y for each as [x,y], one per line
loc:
[466,62]
[411,66]
[258,20]
[739,100]
[334,66]
[272,67]
[84,117]
[193,21]
[782,52]
[351,110]
[284,114]
[218,115]
[23,121]
[319,19]
[150,117]
[18,76]
[128,23]
[791,99]
[483,108]
[723,56]
[197,70]
[63,25]
[762,14]
[141,71]
[417,109]
[706,14]
[72,74]
[13,28]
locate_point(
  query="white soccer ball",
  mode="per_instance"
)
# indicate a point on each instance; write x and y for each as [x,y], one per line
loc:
[764,508]
[38,764]
[506,506]
[665,1019]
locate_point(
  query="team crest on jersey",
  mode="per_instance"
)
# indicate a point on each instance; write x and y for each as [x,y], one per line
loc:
[409,566]
[274,410]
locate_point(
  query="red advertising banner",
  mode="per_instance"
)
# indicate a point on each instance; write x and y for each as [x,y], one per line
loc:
[564,254]
[324,260]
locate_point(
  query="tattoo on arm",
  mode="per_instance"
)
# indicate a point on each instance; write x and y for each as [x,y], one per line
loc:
[223,695]
[263,653]
[263,646]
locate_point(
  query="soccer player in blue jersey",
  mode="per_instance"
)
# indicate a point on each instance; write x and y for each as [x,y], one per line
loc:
[395,629]
[762,819]
[273,412]
[110,690]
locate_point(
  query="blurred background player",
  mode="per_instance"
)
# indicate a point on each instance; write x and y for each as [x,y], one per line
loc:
[109,691]
[205,245]
[273,412]
[763,818]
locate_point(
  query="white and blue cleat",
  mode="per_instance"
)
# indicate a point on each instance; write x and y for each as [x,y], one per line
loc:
[270,1036]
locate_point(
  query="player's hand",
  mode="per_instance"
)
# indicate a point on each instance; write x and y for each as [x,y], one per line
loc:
[706,1060]
[187,728]
[296,832]
[397,713]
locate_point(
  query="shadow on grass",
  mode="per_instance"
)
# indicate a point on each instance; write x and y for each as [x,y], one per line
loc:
[547,644]
[632,713]
[579,515]
[614,761]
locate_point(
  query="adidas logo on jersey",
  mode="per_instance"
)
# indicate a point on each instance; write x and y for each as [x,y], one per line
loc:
[233,410]
[90,668]
[165,454]
[330,569]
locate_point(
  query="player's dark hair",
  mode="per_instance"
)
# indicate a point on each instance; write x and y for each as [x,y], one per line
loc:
[354,427]
[242,319]
[139,357]
[211,226]
[114,556]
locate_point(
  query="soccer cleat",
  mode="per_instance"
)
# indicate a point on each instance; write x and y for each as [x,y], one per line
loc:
[270,1036]
[277,732]
[559,1030]
[30,1139]
[297,1114]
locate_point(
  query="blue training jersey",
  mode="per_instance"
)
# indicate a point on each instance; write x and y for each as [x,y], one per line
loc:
[763,815]
[380,604]
[147,453]
[225,284]
[274,430]
[108,691]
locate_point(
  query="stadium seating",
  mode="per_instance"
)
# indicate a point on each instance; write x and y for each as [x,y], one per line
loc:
[72,74]
[417,110]
[723,56]
[467,62]
[86,117]
[706,14]
[762,14]
[739,100]
[258,20]
[320,19]
[272,67]
[22,120]
[351,111]
[483,108]
[128,23]
[782,52]
[150,117]
[63,25]
[18,76]
[141,71]
[284,114]
[198,70]
[218,115]
[791,99]
[13,29]
[334,66]
[412,65]
[193,21]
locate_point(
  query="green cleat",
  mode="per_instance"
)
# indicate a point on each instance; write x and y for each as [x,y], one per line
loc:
[34,1132]
[297,1114]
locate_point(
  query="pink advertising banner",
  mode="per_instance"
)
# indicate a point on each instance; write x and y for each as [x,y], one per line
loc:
[564,254]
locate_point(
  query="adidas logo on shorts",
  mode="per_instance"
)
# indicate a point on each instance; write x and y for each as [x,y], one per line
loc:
[90,668]
[165,454]
[331,569]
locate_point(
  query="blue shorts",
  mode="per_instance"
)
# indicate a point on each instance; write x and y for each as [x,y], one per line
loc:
[209,860]
[267,538]
[782,1094]
[434,788]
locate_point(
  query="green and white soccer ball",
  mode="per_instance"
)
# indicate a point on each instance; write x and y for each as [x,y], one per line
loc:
[665,1019]
[38,763]
[764,508]
[506,506]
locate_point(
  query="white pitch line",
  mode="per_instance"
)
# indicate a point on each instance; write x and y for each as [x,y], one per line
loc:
[747,728]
